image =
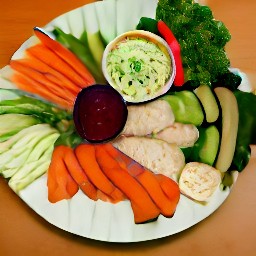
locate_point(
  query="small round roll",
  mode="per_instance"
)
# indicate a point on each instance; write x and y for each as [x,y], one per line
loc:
[199,181]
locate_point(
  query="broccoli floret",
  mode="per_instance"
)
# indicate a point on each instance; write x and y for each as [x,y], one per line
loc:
[202,39]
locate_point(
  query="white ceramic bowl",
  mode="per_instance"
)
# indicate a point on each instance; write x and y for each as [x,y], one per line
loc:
[157,40]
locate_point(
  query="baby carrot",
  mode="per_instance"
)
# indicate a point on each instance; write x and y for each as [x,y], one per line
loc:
[47,56]
[150,183]
[66,55]
[31,73]
[163,191]
[29,85]
[58,78]
[143,207]
[60,184]
[79,175]
[169,187]
[85,154]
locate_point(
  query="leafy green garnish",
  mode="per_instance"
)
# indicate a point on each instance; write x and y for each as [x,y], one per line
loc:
[202,39]
[246,135]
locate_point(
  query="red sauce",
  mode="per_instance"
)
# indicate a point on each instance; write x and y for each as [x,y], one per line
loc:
[100,113]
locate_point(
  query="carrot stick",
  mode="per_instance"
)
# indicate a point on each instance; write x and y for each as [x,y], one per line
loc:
[31,73]
[143,207]
[85,154]
[47,56]
[52,74]
[29,85]
[169,187]
[66,55]
[60,183]
[163,191]
[150,183]
[79,175]
[61,84]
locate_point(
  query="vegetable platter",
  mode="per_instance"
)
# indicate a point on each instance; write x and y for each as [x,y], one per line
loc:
[38,126]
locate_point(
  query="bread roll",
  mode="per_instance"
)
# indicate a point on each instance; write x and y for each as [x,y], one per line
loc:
[199,181]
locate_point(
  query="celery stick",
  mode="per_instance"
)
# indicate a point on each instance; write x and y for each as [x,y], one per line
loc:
[34,136]
[30,163]
[19,160]
[20,150]
[8,173]
[38,170]
[26,169]
[42,146]
[4,159]
[15,122]
[4,146]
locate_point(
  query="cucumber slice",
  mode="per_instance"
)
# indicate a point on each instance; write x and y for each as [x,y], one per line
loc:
[206,148]
[209,103]
[186,107]
[13,123]
[209,149]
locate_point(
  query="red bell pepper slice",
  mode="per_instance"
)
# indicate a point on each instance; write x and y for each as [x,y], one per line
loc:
[169,37]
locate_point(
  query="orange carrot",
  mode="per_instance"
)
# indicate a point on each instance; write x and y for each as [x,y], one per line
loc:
[85,154]
[49,72]
[29,85]
[143,207]
[169,187]
[79,175]
[60,183]
[66,55]
[61,84]
[31,73]
[160,190]
[47,56]
[150,183]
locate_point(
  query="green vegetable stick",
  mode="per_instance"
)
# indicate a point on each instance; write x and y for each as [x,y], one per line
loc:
[82,51]
[28,167]
[4,146]
[42,146]
[38,170]
[15,122]
[18,155]
[9,172]
[45,112]
[34,137]
[19,160]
